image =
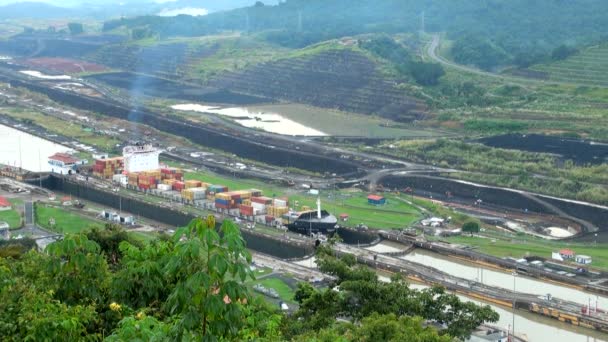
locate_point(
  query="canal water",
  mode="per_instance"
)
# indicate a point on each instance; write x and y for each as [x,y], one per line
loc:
[24,150]
[535,327]
[504,280]
[269,122]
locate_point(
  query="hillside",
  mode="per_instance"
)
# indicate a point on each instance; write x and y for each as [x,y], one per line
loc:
[333,77]
[506,24]
[588,67]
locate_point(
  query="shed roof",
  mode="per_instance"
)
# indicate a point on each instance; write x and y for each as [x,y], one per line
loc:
[64,158]
[4,202]
[375,197]
[566,251]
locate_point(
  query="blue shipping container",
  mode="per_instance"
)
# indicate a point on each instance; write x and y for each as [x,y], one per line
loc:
[222,202]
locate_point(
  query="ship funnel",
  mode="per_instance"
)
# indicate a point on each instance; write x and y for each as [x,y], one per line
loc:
[319,207]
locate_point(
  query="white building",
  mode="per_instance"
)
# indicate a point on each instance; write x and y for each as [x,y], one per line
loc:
[141,158]
[583,259]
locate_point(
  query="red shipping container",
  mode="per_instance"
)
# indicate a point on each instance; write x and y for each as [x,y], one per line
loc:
[179,186]
[269,218]
[261,200]
[246,210]
[221,206]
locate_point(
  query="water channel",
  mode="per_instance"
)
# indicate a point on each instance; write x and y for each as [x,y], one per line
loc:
[534,327]
[503,280]
[21,149]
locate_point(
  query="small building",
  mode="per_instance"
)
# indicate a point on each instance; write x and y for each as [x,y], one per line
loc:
[583,259]
[566,254]
[376,200]
[64,163]
[5,204]
[344,217]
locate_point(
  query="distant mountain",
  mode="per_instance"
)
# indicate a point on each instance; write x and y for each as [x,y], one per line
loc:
[48,9]
[35,10]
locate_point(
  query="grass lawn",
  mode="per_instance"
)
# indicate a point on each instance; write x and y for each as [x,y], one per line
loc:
[395,214]
[12,217]
[521,247]
[144,237]
[65,221]
[285,292]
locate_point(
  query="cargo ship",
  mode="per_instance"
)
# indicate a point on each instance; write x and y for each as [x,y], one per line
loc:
[313,222]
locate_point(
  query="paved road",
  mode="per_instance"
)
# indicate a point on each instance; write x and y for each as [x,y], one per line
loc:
[29,213]
[431,51]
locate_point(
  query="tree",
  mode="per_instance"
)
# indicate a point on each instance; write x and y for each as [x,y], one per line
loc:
[562,52]
[75,28]
[109,239]
[140,280]
[361,295]
[209,269]
[427,74]
[470,227]
[76,270]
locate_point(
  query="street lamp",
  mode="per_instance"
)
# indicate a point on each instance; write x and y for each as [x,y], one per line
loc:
[514,274]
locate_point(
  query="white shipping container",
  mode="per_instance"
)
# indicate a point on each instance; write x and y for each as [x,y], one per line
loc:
[279,203]
[164,187]
[198,193]
[258,206]
[120,179]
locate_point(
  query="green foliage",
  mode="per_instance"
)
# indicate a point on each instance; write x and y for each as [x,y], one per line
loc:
[562,52]
[360,295]
[479,51]
[385,47]
[208,268]
[146,329]
[488,126]
[427,74]
[140,280]
[470,227]
[16,248]
[75,28]
[76,270]
[109,239]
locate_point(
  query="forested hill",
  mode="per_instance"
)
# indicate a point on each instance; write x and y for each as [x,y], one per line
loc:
[511,25]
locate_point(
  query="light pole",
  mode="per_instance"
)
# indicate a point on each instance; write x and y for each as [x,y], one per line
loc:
[513,308]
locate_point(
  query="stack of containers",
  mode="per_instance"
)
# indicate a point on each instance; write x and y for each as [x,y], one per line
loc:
[194,194]
[216,189]
[179,186]
[275,211]
[172,173]
[193,184]
[260,203]
[106,168]
[133,179]
[224,201]
[152,173]
[255,193]
[247,210]
[147,182]
[169,182]
[281,202]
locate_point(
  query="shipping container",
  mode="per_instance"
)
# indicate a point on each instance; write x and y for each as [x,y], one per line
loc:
[255,192]
[246,210]
[218,188]
[164,187]
[262,200]
[179,186]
